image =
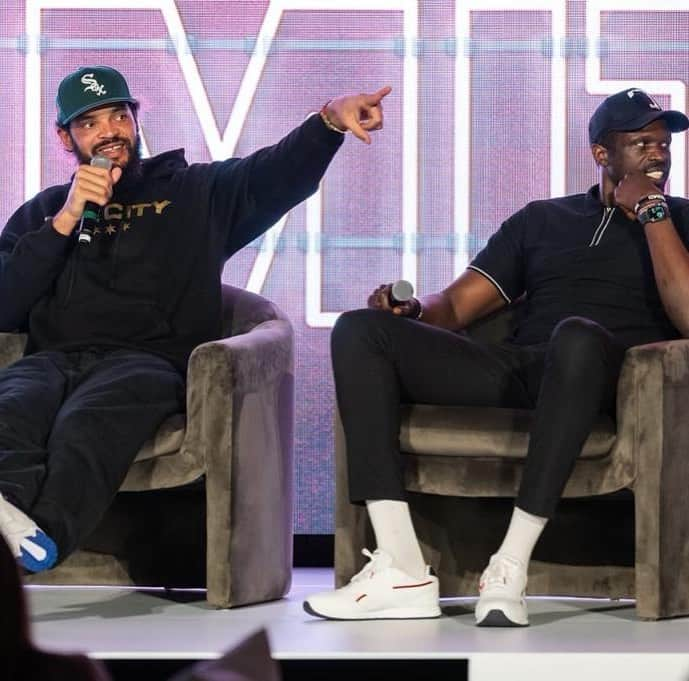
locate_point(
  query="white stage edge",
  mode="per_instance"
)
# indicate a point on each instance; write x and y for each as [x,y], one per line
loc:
[569,639]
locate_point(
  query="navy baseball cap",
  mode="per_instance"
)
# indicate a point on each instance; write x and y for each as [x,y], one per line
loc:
[629,110]
[87,88]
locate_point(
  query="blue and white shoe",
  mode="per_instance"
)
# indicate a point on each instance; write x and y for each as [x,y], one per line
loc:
[34,549]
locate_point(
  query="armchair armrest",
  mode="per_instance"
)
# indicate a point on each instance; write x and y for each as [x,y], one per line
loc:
[221,372]
[653,395]
[240,364]
[652,387]
[240,405]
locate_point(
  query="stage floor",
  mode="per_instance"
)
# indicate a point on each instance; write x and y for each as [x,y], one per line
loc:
[567,639]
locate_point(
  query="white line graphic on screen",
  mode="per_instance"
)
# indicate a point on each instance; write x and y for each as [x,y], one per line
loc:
[676,89]
[558,129]
[315,316]
[221,147]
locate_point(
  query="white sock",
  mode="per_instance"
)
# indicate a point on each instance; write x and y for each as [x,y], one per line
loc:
[522,535]
[395,535]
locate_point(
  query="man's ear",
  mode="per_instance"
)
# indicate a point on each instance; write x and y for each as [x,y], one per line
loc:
[600,155]
[66,139]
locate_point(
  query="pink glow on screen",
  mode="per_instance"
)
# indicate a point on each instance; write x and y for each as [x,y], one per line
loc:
[315,55]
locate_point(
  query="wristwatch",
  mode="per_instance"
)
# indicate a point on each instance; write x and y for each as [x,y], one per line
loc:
[653,213]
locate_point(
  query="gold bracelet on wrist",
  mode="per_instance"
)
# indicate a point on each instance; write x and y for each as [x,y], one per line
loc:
[323,113]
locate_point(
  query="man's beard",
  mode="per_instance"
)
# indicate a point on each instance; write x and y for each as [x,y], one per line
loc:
[132,171]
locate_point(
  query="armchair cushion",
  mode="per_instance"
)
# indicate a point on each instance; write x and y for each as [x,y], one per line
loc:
[167,440]
[432,430]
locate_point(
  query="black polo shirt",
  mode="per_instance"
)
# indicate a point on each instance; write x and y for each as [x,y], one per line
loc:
[571,256]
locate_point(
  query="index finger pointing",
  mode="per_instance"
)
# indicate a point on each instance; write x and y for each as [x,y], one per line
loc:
[378,95]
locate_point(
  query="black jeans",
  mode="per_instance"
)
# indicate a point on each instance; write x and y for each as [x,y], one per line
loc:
[70,426]
[381,360]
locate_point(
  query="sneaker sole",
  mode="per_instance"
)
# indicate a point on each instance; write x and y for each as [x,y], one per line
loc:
[28,562]
[497,618]
[395,614]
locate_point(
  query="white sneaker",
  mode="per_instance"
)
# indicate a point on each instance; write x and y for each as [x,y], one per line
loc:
[33,548]
[501,594]
[379,591]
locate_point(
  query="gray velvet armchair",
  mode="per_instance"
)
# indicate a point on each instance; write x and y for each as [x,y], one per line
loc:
[622,529]
[234,443]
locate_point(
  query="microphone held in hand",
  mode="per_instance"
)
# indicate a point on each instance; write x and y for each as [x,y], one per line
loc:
[89,218]
[401,292]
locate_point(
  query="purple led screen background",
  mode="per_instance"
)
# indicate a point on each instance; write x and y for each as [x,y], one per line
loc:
[318,54]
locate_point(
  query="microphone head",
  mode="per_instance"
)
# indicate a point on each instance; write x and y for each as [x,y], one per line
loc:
[101,162]
[402,291]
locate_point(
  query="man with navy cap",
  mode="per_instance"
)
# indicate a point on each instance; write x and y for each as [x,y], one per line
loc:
[114,308]
[599,272]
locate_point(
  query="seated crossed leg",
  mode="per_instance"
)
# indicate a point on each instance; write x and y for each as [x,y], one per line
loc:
[617,254]
[72,423]
[380,361]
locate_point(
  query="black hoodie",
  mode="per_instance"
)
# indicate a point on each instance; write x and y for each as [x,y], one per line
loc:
[150,279]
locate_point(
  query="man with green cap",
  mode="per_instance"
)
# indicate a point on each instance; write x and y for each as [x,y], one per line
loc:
[85,269]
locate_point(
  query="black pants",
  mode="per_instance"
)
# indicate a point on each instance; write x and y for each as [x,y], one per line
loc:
[381,360]
[71,425]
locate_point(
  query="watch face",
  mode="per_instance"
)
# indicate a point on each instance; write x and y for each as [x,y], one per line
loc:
[657,213]
[653,213]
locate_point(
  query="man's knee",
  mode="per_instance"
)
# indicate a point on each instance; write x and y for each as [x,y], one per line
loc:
[353,327]
[581,335]
[578,344]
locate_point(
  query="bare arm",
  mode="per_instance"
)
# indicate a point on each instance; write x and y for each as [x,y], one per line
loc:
[468,298]
[671,271]
[668,254]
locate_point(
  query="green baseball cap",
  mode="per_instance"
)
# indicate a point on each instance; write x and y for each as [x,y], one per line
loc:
[87,88]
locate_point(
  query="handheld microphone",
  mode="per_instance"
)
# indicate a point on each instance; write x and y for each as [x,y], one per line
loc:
[89,218]
[401,292]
